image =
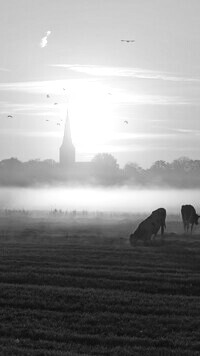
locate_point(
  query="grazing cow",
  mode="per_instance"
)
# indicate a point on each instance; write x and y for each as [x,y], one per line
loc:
[160,215]
[189,217]
[150,226]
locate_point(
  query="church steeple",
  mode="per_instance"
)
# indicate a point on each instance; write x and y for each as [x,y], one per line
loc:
[67,149]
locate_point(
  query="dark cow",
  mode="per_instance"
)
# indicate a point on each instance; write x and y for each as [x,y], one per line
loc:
[189,217]
[150,226]
[160,214]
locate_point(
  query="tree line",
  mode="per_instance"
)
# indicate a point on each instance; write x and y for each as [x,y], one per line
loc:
[104,170]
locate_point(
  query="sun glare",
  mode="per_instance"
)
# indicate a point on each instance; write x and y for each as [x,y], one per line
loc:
[91,118]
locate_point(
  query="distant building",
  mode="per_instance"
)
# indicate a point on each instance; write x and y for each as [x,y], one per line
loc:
[67,149]
[68,162]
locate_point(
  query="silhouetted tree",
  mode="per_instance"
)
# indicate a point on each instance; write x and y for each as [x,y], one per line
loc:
[181,173]
[105,168]
[105,163]
[134,174]
[157,173]
[11,163]
[159,166]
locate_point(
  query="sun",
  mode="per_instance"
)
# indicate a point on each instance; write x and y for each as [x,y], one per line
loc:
[91,118]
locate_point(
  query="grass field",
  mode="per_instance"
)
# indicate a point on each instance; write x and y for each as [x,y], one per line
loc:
[78,288]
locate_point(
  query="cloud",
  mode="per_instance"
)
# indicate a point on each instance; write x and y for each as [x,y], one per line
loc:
[43,42]
[125,72]
[132,99]
[4,70]
[124,136]
[193,132]
[129,142]
[40,113]
[120,148]
[46,86]
[109,148]
[180,131]
[30,108]
[32,87]
[24,133]
[82,89]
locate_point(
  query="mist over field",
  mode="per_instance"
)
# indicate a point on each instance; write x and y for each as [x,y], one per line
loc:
[98,199]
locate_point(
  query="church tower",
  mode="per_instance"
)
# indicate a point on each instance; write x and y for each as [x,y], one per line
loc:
[67,149]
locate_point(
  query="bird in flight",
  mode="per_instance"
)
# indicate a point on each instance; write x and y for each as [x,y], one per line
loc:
[127,41]
[125,121]
[10,116]
[48,96]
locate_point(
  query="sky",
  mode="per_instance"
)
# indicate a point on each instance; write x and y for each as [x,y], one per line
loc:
[138,101]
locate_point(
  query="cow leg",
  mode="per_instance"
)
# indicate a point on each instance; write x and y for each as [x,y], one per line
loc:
[184,226]
[152,238]
[187,228]
[162,230]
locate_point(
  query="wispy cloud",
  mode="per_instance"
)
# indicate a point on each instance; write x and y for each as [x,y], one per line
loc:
[83,89]
[29,111]
[130,72]
[41,113]
[119,148]
[180,132]
[187,131]
[30,108]
[132,99]
[24,133]
[46,86]
[4,69]
[44,41]
[124,136]
[109,148]
[32,87]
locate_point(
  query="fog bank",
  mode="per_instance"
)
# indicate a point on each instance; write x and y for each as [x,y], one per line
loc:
[98,199]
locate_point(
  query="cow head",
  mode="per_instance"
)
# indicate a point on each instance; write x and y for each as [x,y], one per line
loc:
[196,219]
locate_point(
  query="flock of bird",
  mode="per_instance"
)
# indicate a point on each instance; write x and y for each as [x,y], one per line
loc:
[48,96]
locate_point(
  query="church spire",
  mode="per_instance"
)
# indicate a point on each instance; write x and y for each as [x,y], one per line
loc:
[67,149]
[67,138]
